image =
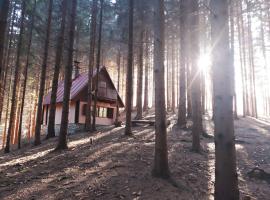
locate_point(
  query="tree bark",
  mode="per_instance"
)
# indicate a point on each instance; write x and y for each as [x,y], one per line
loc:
[62,140]
[4,9]
[58,58]
[232,41]
[226,184]
[37,140]
[196,78]
[16,78]
[98,64]
[118,87]
[182,111]
[140,76]
[25,74]
[161,167]
[129,79]
[88,119]
[146,72]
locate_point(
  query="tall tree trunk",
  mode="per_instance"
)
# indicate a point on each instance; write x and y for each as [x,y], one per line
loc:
[7,63]
[62,140]
[242,59]
[140,75]
[196,82]
[244,42]
[182,111]
[129,79]
[173,74]
[4,9]
[161,167]
[232,56]
[7,106]
[189,104]
[4,58]
[266,80]
[88,119]
[58,58]
[25,74]
[251,63]
[117,124]
[226,185]
[167,76]
[43,76]
[16,78]
[146,72]
[98,64]
[17,116]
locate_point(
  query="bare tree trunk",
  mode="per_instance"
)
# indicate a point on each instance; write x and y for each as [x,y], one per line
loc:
[182,112]
[196,82]
[232,56]
[4,9]
[58,58]
[98,63]
[247,91]
[140,76]
[7,106]
[62,140]
[263,46]
[16,79]
[167,76]
[251,63]
[25,74]
[88,119]
[242,60]
[43,76]
[189,104]
[129,79]
[173,74]
[161,167]
[146,73]
[226,184]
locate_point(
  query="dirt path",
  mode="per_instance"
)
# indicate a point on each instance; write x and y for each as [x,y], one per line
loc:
[117,167]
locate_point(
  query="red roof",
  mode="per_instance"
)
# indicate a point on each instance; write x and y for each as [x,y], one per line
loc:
[78,84]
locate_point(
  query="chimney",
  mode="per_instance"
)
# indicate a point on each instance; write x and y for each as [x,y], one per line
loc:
[76,70]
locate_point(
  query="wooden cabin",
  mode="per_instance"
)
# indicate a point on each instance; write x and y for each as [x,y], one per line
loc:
[106,105]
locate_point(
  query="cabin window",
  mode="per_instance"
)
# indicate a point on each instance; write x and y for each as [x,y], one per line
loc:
[110,113]
[102,112]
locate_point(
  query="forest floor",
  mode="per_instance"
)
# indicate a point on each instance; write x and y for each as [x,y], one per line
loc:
[106,165]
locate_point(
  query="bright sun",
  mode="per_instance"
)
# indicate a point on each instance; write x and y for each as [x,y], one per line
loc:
[204,62]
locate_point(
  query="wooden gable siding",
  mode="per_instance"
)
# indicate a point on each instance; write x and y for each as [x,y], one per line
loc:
[110,94]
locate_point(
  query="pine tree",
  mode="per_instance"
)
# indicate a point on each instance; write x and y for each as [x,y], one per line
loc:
[196,81]
[4,9]
[62,140]
[161,167]
[129,78]
[25,73]
[88,120]
[43,75]
[16,79]
[58,58]
[98,64]
[182,112]
[226,186]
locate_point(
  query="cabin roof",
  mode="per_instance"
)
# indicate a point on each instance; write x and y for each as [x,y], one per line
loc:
[78,84]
